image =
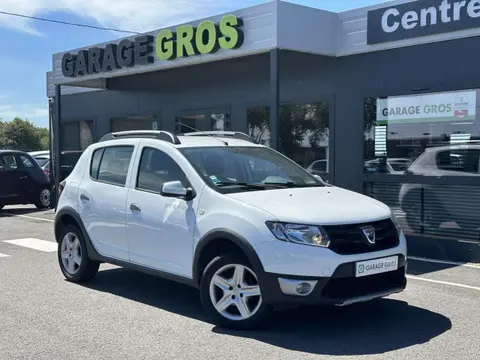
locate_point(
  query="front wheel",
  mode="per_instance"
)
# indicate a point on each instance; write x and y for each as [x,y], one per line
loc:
[43,199]
[230,292]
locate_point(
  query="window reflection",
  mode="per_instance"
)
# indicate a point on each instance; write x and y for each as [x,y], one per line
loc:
[258,122]
[202,120]
[303,133]
[435,135]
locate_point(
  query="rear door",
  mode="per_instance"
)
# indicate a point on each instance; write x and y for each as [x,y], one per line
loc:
[102,196]
[10,188]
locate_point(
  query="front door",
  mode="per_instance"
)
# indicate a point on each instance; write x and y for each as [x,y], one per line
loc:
[160,229]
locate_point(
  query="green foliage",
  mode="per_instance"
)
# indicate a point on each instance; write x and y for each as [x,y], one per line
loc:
[20,134]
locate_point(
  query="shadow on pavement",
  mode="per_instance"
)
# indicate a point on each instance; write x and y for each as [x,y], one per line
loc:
[371,328]
[365,329]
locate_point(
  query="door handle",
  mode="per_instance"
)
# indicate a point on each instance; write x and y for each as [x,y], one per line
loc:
[135,207]
[23,177]
[84,197]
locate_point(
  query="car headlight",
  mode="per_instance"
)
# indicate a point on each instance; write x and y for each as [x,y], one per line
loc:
[300,234]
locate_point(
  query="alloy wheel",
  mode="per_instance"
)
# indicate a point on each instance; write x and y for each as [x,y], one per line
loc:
[71,252]
[45,197]
[235,292]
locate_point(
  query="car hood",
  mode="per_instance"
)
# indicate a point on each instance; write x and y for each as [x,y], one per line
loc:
[317,205]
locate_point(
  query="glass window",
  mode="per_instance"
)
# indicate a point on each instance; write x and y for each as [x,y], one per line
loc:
[229,169]
[26,161]
[157,168]
[9,162]
[202,120]
[133,123]
[114,164]
[41,161]
[458,160]
[303,133]
[76,135]
[95,165]
[404,132]
[258,122]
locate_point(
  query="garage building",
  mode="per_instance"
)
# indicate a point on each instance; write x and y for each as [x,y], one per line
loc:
[380,100]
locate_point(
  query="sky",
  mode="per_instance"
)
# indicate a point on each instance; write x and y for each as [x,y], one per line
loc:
[28,45]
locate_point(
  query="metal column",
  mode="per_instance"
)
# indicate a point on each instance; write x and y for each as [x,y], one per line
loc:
[274,97]
[55,142]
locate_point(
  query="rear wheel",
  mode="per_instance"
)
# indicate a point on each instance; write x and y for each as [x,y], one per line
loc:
[231,294]
[72,254]
[43,199]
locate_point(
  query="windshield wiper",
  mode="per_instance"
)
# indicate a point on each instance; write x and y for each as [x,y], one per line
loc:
[291,184]
[243,184]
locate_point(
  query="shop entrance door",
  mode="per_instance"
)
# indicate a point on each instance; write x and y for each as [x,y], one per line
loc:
[203,120]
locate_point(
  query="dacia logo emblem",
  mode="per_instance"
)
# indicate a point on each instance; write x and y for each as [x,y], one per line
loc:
[369,233]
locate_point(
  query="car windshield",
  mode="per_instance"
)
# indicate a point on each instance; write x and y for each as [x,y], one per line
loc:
[239,168]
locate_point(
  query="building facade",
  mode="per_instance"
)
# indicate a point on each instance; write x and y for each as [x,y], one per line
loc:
[380,100]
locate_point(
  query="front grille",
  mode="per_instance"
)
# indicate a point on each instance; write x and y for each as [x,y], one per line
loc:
[349,239]
[351,287]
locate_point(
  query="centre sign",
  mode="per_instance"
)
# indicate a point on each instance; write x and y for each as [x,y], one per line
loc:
[183,41]
[421,18]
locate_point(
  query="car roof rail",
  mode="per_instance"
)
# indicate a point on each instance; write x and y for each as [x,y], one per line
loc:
[155,134]
[233,134]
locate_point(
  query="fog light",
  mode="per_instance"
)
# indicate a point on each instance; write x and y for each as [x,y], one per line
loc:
[303,288]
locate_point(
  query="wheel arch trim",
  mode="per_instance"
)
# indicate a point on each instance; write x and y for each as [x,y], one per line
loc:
[228,235]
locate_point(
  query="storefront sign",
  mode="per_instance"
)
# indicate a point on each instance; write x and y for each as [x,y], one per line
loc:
[421,18]
[185,41]
[442,107]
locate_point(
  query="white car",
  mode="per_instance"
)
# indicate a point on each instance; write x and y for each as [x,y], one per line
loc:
[239,221]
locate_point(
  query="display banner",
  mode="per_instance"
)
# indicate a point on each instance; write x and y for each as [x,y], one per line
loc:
[431,108]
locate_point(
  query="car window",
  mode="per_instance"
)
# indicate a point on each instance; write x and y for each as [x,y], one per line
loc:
[9,162]
[41,161]
[114,165]
[26,162]
[95,164]
[157,168]
[459,160]
[320,166]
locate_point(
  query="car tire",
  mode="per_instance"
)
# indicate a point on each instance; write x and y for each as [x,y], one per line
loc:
[226,281]
[43,198]
[73,258]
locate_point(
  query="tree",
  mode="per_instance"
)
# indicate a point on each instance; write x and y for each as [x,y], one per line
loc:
[20,134]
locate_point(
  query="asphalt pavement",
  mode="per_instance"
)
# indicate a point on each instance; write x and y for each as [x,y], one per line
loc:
[127,315]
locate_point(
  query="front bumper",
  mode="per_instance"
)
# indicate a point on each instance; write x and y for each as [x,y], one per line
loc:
[341,289]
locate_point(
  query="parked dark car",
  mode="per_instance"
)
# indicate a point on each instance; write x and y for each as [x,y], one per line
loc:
[22,180]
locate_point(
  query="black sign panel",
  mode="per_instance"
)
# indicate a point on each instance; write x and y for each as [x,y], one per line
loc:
[421,18]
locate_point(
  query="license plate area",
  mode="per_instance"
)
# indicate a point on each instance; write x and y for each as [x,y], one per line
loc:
[376,266]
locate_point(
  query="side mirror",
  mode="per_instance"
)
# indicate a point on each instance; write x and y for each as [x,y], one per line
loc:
[318,177]
[176,189]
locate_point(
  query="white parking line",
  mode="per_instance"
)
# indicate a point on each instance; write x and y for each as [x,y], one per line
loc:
[36,244]
[4,255]
[443,282]
[33,218]
[445,262]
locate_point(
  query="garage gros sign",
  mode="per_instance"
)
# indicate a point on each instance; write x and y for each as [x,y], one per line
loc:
[455,107]
[421,18]
[184,41]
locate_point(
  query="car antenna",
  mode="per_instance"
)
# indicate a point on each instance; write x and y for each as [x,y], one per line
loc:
[200,131]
